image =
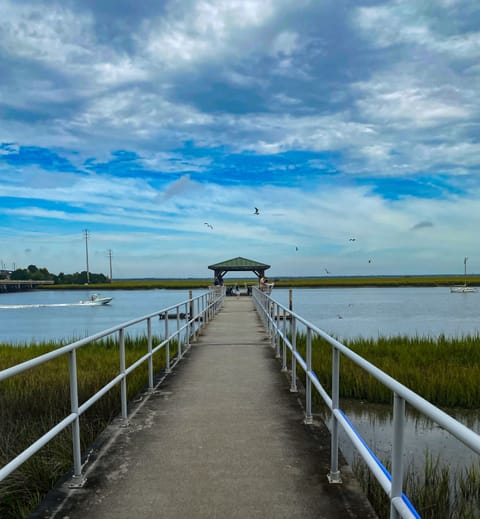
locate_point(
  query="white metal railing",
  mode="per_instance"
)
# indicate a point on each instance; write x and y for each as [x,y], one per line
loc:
[197,312]
[275,316]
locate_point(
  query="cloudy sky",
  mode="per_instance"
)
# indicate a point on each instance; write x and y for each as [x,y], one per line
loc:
[352,125]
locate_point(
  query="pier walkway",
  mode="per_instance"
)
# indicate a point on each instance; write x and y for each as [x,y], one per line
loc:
[220,437]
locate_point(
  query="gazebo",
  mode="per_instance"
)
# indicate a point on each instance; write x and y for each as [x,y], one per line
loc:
[238,265]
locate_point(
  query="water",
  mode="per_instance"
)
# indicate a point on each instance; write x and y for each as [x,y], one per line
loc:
[342,312]
[372,312]
[57,315]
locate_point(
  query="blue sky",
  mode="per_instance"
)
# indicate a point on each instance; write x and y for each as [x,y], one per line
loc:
[142,121]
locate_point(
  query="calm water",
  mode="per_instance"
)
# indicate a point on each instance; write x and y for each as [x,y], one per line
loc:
[28,316]
[373,312]
[344,313]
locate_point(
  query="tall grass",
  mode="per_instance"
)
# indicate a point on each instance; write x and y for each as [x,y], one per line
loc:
[312,282]
[443,370]
[436,492]
[33,402]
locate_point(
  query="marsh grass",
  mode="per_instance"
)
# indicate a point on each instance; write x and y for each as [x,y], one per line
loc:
[293,282]
[437,491]
[36,400]
[443,370]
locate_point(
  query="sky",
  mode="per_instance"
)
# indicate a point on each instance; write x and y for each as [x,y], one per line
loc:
[353,126]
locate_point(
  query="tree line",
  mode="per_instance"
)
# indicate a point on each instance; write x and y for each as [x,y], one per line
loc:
[42,274]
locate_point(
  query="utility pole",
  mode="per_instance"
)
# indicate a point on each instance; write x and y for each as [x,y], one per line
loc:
[110,257]
[87,235]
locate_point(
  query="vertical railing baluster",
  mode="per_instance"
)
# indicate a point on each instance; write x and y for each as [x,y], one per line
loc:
[77,453]
[293,327]
[167,348]
[123,383]
[284,342]
[397,451]
[187,330]
[150,356]
[179,335]
[276,316]
[308,382]
[334,475]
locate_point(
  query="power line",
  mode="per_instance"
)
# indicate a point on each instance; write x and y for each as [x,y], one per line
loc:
[86,235]
[110,257]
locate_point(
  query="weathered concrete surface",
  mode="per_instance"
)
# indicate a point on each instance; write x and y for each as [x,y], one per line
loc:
[221,437]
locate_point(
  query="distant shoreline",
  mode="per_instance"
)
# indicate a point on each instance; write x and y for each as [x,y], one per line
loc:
[284,282]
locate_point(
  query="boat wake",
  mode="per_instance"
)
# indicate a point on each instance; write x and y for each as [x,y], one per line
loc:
[5,307]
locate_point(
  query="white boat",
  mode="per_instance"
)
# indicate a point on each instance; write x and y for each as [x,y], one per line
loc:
[96,300]
[463,289]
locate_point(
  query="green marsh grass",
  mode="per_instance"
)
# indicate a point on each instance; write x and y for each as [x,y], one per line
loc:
[31,403]
[437,492]
[443,370]
[291,282]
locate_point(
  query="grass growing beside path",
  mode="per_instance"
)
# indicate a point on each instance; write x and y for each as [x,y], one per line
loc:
[38,399]
[443,370]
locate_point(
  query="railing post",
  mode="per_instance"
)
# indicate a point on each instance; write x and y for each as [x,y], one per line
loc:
[187,321]
[293,327]
[123,382]
[284,344]
[77,454]
[397,452]
[179,335]
[150,357]
[276,330]
[308,383]
[167,348]
[334,475]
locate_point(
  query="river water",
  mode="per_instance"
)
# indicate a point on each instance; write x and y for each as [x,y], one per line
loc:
[343,312]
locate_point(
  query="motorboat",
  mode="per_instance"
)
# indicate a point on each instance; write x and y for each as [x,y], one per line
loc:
[463,289]
[96,300]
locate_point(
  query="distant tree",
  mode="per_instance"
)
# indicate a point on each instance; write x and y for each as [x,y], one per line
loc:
[42,274]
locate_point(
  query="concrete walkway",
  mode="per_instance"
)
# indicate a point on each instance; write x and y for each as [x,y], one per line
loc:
[221,437]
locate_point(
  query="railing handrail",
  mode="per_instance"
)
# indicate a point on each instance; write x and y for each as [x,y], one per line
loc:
[207,305]
[270,311]
[28,364]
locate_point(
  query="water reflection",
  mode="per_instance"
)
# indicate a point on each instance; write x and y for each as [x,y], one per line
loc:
[421,435]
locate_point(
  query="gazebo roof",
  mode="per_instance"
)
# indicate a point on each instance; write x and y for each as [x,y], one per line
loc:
[239,264]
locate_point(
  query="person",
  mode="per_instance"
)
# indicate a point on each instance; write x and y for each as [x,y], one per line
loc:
[263,281]
[236,290]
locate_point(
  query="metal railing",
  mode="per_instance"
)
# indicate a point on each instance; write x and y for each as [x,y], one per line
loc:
[191,316]
[275,317]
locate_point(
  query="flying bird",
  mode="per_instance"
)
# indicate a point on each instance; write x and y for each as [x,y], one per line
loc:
[327,271]
[208,225]
[369,261]
[296,248]
[352,239]
[256,211]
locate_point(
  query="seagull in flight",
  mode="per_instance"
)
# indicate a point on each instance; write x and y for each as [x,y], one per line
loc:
[296,248]
[256,211]
[208,225]
[352,239]
[327,271]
